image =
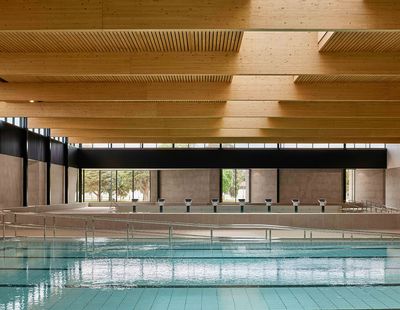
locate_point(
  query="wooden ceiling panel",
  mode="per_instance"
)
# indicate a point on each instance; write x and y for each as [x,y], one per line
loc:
[316,78]
[362,41]
[298,139]
[120,41]
[149,78]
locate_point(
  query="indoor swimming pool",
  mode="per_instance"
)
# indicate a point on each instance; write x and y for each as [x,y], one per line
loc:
[153,274]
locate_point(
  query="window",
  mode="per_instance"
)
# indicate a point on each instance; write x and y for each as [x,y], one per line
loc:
[124,185]
[107,185]
[91,185]
[164,145]
[116,185]
[141,185]
[235,184]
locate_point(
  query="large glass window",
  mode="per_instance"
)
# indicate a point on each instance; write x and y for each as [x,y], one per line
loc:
[91,185]
[235,184]
[107,185]
[141,185]
[116,185]
[124,185]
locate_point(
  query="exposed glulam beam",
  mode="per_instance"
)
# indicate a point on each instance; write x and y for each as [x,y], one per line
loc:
[239,109]
[232,140]
[261,53]
[257,133]
[198,14]
[214,123]
[242,88]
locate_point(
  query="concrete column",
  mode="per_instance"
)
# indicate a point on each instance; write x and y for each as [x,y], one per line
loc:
[370,185]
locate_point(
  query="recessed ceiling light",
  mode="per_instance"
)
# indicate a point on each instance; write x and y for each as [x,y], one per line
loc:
[31,101]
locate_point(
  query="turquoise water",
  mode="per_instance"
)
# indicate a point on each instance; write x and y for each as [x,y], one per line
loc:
[151,274]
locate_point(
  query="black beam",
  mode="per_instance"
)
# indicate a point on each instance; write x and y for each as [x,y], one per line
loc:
[25,151]
[48,170]
[220,185]
[158,184]
[80,185]
[66,176]
[231,158]
[344,185]
[278,181]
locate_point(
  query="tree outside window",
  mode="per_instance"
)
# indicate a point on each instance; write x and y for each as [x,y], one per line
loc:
[235,184]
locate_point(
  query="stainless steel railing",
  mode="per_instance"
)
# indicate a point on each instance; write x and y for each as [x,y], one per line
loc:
[128,227]
[365,206]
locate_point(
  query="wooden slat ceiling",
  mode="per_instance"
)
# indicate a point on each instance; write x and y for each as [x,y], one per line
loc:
[216,65]
[314,78]
[361,41]
[150,78]
[120,41]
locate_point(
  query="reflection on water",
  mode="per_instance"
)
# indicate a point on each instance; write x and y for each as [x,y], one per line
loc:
[33,271]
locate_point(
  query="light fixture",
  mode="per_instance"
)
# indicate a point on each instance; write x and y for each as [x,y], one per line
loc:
[31,101]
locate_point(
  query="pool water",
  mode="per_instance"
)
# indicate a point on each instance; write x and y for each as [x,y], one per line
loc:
[152,274]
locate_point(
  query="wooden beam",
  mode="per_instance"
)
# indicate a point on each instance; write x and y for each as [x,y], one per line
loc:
[277,88]
[214,123]
[198,14]
[237,109]
[221,133]
[261,53]
[232,140]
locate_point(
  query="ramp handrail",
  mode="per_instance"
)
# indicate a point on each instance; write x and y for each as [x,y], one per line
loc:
[90,221]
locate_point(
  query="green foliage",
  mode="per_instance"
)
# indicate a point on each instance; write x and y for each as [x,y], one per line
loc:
[140,182]
[228,182]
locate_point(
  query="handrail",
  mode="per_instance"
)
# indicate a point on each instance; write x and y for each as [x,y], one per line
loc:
[370,206]
[192,225]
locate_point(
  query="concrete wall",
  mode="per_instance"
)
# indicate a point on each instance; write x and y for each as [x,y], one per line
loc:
[153,186]
[57,184]
[392,190]
[370,185]
[310,184]
[72,184]
[36,182]
[201,185]
[263,185]
[10,181]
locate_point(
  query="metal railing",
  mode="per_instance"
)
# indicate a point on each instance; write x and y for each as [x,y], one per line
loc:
[131,229]
[367,206]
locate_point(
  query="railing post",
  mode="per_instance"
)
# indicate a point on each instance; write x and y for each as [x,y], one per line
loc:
[311,235]
[342,234]
[211,234]
[304,235]
[270,235]
[93,230]
[54,226]
[86,230]
[44,227]
[266,234]
[127,231]
[170,234]
[4,226]
[15,224]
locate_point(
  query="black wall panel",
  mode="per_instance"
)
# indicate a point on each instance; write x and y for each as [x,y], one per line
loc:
[11,139]
[36,146]
[57,152]
[73,157]
[227,158]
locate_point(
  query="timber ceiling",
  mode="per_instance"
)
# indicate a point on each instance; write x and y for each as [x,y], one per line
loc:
[192,71]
